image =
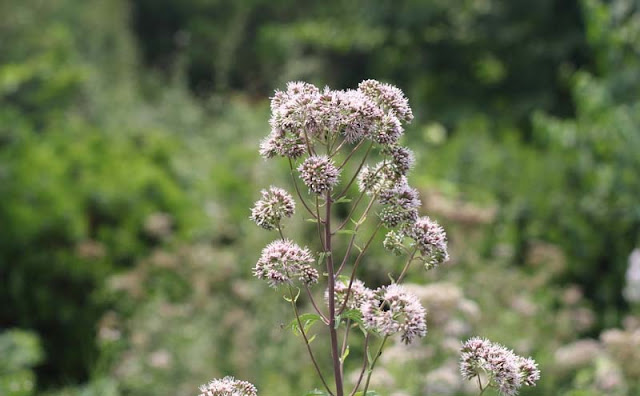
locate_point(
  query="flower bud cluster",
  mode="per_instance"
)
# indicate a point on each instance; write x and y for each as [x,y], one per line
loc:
[374,179]
[228,386]
[282,261]
[402,159]
[401,204]
[391,310]
[319,173]
[506,370]
[274,205]
[430,239]
[357,296]
[393,242]
[391,98]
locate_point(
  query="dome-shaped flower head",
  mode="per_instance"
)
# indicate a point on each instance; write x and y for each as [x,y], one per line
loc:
[506,370]
[357,296]
[402,159]
[319,173]
[401,204]
[284,144]
[282,261]
[388,131]
[358,115]
[391,310]
[228,386]
[391,98]
[275,204]
[529,371]
[430,239]
[291,119]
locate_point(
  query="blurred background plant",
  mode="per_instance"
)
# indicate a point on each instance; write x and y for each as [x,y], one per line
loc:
[127,164]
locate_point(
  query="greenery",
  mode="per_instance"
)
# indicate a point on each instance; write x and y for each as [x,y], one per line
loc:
[128,135]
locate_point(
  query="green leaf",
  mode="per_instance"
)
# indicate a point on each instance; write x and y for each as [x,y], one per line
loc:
[345,354]
[348,232]
[288,299]
[312,220]
[369,393]
[307,320]
[342,200]
[354,315]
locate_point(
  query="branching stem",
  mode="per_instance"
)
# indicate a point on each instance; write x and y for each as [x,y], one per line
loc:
[407,265]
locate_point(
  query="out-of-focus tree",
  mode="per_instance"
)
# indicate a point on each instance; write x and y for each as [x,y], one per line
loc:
[455,58]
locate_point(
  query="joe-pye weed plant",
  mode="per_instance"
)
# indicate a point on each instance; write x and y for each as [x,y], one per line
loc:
[332,140]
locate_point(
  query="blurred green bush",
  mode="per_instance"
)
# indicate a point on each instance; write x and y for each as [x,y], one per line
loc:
[125,245]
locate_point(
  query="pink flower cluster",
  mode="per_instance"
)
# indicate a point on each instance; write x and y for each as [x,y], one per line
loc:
[303,113]
[430,239]
[283,261]
[228,386]
[506,370]
[275,204]
[391,310]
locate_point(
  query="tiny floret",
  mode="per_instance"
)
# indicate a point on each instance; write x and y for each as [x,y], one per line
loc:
[275,204]
[391,310]
[430,239]
[507,371]
[319,173]
[283,261]
[228,386]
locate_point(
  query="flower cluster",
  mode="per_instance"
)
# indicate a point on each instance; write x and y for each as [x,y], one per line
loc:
[401,204]
[228,386]
[319,173]
[358,294]
[373,179]
[389,97]
[283,260]
[391,310]
[430,239]
[274,205]
[356,114]
[402,159]
[506,370]
[393,242]
[303,113]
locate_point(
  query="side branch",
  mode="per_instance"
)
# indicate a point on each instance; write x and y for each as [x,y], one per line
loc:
[355,175]
[306,341]
[355,267]
[295,184]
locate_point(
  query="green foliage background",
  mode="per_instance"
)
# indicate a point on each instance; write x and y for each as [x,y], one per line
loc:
[128,163]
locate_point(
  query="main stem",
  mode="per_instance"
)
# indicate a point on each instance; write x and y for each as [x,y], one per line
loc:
[332,309]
